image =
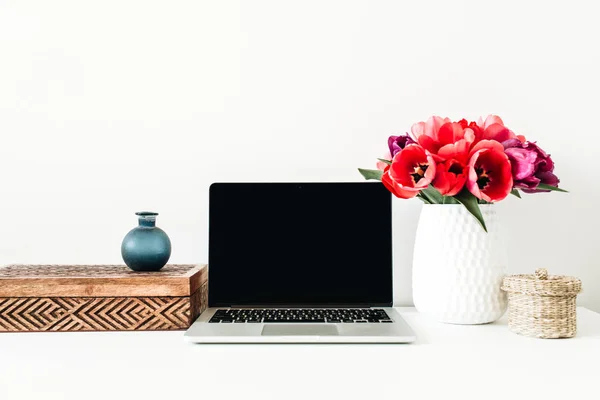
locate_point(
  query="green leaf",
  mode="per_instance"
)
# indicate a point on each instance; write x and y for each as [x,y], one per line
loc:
[433,195]
[449,200]
[423,195]
[467,199]
[371,173]
[515,192]
[423,198]
[545,186]
[388,162]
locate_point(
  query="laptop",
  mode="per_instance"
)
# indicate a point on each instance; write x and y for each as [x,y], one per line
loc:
[300,263]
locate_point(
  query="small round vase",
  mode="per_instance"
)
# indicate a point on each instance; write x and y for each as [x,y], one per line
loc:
[146,247]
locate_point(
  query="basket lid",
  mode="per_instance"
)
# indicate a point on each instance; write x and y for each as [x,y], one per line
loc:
[542,284]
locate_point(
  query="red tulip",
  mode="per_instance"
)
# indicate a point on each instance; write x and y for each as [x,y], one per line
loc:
[477,131]
[489,171]
[452,132]
[412,169]
[454,151]
[450,177]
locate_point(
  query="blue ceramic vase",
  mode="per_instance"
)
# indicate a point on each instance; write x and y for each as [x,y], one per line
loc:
[146,247]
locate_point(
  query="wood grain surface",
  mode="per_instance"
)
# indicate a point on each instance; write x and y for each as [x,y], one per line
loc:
[99,281]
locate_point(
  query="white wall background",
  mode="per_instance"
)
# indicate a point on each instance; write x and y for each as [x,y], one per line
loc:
[109,107]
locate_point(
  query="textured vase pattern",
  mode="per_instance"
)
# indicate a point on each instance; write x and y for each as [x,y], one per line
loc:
[457,267]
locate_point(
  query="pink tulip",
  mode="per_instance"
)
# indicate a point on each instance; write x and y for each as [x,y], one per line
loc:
[489,120]
[382,165]
[426,133]
[494,129]
[530,166]
[429,128]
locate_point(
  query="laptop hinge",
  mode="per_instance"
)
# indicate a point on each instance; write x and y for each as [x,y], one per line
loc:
[300,306]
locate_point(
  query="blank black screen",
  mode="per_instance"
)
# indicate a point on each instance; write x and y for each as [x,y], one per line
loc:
[300,244]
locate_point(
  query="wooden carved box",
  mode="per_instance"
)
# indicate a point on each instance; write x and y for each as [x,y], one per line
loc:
[35,298]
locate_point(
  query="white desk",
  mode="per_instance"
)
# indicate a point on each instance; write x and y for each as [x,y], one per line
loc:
[448,361]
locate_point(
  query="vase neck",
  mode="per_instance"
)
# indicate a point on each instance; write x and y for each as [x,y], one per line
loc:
[147,219]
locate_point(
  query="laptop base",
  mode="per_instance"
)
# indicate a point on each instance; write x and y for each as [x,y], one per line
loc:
[202,331]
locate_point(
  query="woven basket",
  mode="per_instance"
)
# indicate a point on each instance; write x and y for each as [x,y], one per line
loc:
[542,306]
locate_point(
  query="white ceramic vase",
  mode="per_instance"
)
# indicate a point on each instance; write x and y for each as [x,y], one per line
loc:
[457,267]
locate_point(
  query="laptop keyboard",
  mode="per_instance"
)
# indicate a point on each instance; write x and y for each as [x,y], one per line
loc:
[301,315]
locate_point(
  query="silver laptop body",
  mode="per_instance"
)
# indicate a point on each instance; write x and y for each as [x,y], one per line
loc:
[300,263]
[204,332]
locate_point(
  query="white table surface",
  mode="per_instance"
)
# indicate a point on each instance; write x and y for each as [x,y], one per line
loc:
[447,361]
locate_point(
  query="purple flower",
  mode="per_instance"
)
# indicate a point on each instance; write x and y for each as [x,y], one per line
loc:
[530,166]
[397,143]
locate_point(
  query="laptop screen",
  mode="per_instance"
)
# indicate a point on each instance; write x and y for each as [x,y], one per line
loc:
[300,244]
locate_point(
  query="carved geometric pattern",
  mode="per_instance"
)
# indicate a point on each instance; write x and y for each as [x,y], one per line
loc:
[34,314]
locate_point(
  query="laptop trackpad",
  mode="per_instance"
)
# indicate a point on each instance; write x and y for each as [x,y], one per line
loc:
[299,330]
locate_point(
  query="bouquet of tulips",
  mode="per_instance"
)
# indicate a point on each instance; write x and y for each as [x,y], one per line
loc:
[469,163]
